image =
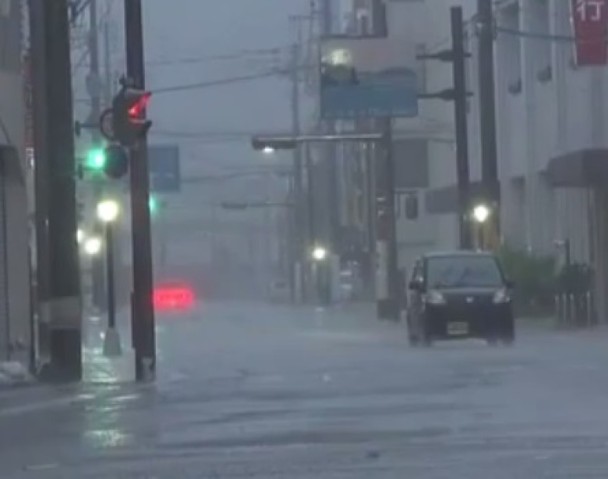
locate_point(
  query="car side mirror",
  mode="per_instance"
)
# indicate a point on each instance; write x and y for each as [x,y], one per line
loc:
[510,284]
[415,285]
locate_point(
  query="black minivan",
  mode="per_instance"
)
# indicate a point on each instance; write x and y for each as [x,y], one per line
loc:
[461,294]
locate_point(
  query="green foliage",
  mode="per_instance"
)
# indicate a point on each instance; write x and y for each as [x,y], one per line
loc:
[535,280]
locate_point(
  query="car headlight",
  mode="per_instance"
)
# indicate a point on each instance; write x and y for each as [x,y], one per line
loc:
[434,297]
[501,296]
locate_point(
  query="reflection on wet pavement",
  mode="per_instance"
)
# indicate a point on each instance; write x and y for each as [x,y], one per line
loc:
[255,391]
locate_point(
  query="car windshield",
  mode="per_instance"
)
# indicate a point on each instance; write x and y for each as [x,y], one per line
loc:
[463,272]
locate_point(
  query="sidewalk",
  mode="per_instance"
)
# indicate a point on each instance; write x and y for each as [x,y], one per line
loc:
[99,369]
[14,374]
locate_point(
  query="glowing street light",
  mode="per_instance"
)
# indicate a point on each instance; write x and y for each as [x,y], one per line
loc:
[481,213]
[319,254]
[92,246]
[268,150]
[108,210]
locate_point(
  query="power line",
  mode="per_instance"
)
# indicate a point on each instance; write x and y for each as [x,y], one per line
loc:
[243,54]
[222,81]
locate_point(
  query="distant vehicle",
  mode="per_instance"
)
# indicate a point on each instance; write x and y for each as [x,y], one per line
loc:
[457,295]
[173,296]
[279,291]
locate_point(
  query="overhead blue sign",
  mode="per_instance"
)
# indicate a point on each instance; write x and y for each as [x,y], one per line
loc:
[367,78]
[165,173]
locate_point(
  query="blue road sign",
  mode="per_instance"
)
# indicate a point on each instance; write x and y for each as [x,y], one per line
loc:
[372,78]
[163,162]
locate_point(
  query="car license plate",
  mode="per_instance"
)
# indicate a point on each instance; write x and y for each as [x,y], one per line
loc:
[458,329]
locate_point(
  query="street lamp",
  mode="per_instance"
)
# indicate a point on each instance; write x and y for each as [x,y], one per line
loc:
[107,212]
[92,246]
[319,253]
[268,150]
[481,213]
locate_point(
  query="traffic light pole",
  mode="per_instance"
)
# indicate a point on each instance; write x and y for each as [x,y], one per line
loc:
[143,324]
[387,286]
[60,304]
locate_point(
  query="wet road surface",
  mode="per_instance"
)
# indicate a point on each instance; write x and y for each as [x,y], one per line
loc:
[255,391]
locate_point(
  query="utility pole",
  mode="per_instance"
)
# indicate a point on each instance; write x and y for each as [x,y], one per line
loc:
[142,309]
[460,122]
[60,300]
[487,115]
[297,261]
[458,94]
[387,253]
[107,63]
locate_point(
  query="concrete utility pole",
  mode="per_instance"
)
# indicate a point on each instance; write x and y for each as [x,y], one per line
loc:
[460,122]
[59,273]
[487,115]
[108,90]
[387,253]
[142,308]
[296,262]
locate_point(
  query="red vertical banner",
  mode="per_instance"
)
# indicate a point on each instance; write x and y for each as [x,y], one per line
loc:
[590,23]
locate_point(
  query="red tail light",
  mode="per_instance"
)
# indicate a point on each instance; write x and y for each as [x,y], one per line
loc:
[169,298]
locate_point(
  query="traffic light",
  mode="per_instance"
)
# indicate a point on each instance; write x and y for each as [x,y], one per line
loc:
[96,159]
[111,161]
[116,163]
[128,115]
[153,204]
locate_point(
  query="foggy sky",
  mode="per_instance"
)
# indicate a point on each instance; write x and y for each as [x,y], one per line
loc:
[179,29]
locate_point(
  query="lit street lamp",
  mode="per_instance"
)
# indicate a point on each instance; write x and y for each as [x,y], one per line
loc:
[481,213]
[319,254]
[107,212]
[92,246]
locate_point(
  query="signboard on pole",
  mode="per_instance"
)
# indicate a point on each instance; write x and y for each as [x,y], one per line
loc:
[163,162]
[368,78]
[590,23]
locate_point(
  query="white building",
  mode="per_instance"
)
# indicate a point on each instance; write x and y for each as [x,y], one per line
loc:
[551,121]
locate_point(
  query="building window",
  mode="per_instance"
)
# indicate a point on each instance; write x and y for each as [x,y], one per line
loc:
[407,205]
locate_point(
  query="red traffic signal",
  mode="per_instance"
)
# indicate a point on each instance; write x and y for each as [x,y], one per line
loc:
[128,115]
[138,109]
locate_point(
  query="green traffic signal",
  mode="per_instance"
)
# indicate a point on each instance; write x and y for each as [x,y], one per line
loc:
[153,203]
[96,159]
